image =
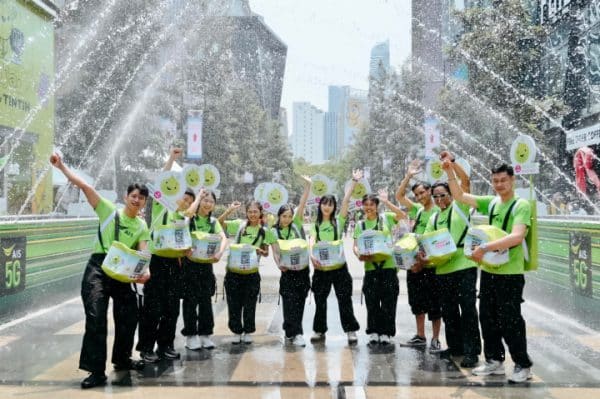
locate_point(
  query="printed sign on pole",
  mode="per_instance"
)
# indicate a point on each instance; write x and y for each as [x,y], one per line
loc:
[522,155]
[168,188]
[432,136]
[194,135]
[362,187]
[321,186]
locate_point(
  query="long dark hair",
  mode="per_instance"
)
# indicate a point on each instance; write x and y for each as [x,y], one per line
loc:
[327,199]
[282,209]
[214,197]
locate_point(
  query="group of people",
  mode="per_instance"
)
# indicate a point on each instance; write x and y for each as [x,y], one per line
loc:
[445,292]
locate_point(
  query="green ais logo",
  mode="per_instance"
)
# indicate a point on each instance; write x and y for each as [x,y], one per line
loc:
[580,263]
[13,268]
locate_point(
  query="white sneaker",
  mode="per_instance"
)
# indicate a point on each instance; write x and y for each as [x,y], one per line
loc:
[493,367]
[206,342]
[247,338]
[384,339]
[299,340]
[237,339]
[435,346]
[352,338]
[374,338]
[193,342]
[317,337]
[520,374]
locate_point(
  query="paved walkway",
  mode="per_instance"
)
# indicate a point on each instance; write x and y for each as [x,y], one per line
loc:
[39,357]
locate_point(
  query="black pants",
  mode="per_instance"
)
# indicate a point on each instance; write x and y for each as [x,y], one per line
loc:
[458,298]
[381,289]
[293,288]
[500,301]
[96,289]
[424,293]
[158,317]
[242,294]
[321,286]
[198,288]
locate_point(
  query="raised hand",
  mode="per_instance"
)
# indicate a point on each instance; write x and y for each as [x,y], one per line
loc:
[414,167]
[56,160]
[306,179]
[383,195]
[357,174]
[175,152]
[446,155]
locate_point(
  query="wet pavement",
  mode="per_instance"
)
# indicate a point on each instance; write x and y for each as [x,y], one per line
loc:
[39,356]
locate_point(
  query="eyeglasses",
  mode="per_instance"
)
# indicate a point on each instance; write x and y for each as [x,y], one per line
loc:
[436,196]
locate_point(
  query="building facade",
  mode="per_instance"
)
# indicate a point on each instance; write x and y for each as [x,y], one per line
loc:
[308,139]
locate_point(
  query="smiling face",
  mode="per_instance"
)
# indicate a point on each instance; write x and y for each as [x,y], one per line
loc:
[359,191]
[209,177]
[436,170]
[370,209]
[319,188]
[207,204]
[423,195]
[192,178]
[170,186]
[522,152]
[442,197]
[134,202]
[253,214]
[274,196]
[285,219]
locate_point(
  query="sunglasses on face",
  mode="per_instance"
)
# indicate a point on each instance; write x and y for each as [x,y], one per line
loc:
[440,195]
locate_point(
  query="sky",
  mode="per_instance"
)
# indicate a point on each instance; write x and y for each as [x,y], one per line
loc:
[329,42]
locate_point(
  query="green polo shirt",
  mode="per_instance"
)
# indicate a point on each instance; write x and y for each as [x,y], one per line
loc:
[521,214]
[251,233]
[131,230]
[389,220]
[289,233]
[421,222]
[451,219]
[326,231]
[202,223]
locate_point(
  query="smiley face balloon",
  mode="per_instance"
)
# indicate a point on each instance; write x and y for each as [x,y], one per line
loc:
[272,196]
[209,176]
[192,174]
[168,188]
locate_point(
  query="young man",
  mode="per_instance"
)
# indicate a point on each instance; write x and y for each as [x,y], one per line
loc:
[501,289]
[97,288]
[422,284]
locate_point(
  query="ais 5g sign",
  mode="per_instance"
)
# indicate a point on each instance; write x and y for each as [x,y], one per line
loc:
[12,265]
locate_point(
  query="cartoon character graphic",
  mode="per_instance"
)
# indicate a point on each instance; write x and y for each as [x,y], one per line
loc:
[192,178]
[359,191]
[274,196]
[170,186]
[522,153]
[319,188]
[209,177]
[436,170]
[115,260]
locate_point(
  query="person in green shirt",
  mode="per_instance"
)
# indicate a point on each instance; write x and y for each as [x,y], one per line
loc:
[501,289]
[200,283]
[421,282]
[458,276]
[97,287]
[242,288]
[293,284]
[160,310]
[380,284]
[329,228]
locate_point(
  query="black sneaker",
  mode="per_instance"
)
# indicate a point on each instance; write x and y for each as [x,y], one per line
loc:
[137,365]
[469,361]
[149,357]
[415,341]
[168,353]
[94,380]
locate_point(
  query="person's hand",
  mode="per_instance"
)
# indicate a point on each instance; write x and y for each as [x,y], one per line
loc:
[446,164]
[414,168]
[262,252]
[234,205]
[217,256]
[357,174]
[365,258]
[446,155]
[383,195]
[417,267]
[143,279]
[477,254]
[315,262]
[283,269]
[306,179]
[56,160]
[175,153]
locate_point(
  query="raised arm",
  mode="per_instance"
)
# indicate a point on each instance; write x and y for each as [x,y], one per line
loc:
[232,208]
[304,198]
[90,192]
[465,180]
[193,208]
[383,197]
[455,189]
[356,176]
[413,169]
[174,153]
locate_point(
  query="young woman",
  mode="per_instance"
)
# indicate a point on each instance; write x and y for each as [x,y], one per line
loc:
[97,287]
[158,316]
[329,228]
[242,286]
[458,276]
[422,284]
[293,284]
[380,284]
[199,279]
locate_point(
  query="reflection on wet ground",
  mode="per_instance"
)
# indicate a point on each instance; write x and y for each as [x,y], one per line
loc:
[40,356]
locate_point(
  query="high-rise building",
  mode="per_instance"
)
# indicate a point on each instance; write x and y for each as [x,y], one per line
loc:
[331,127]
[380,59]
[351,110]
[283,123]
[307,139]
